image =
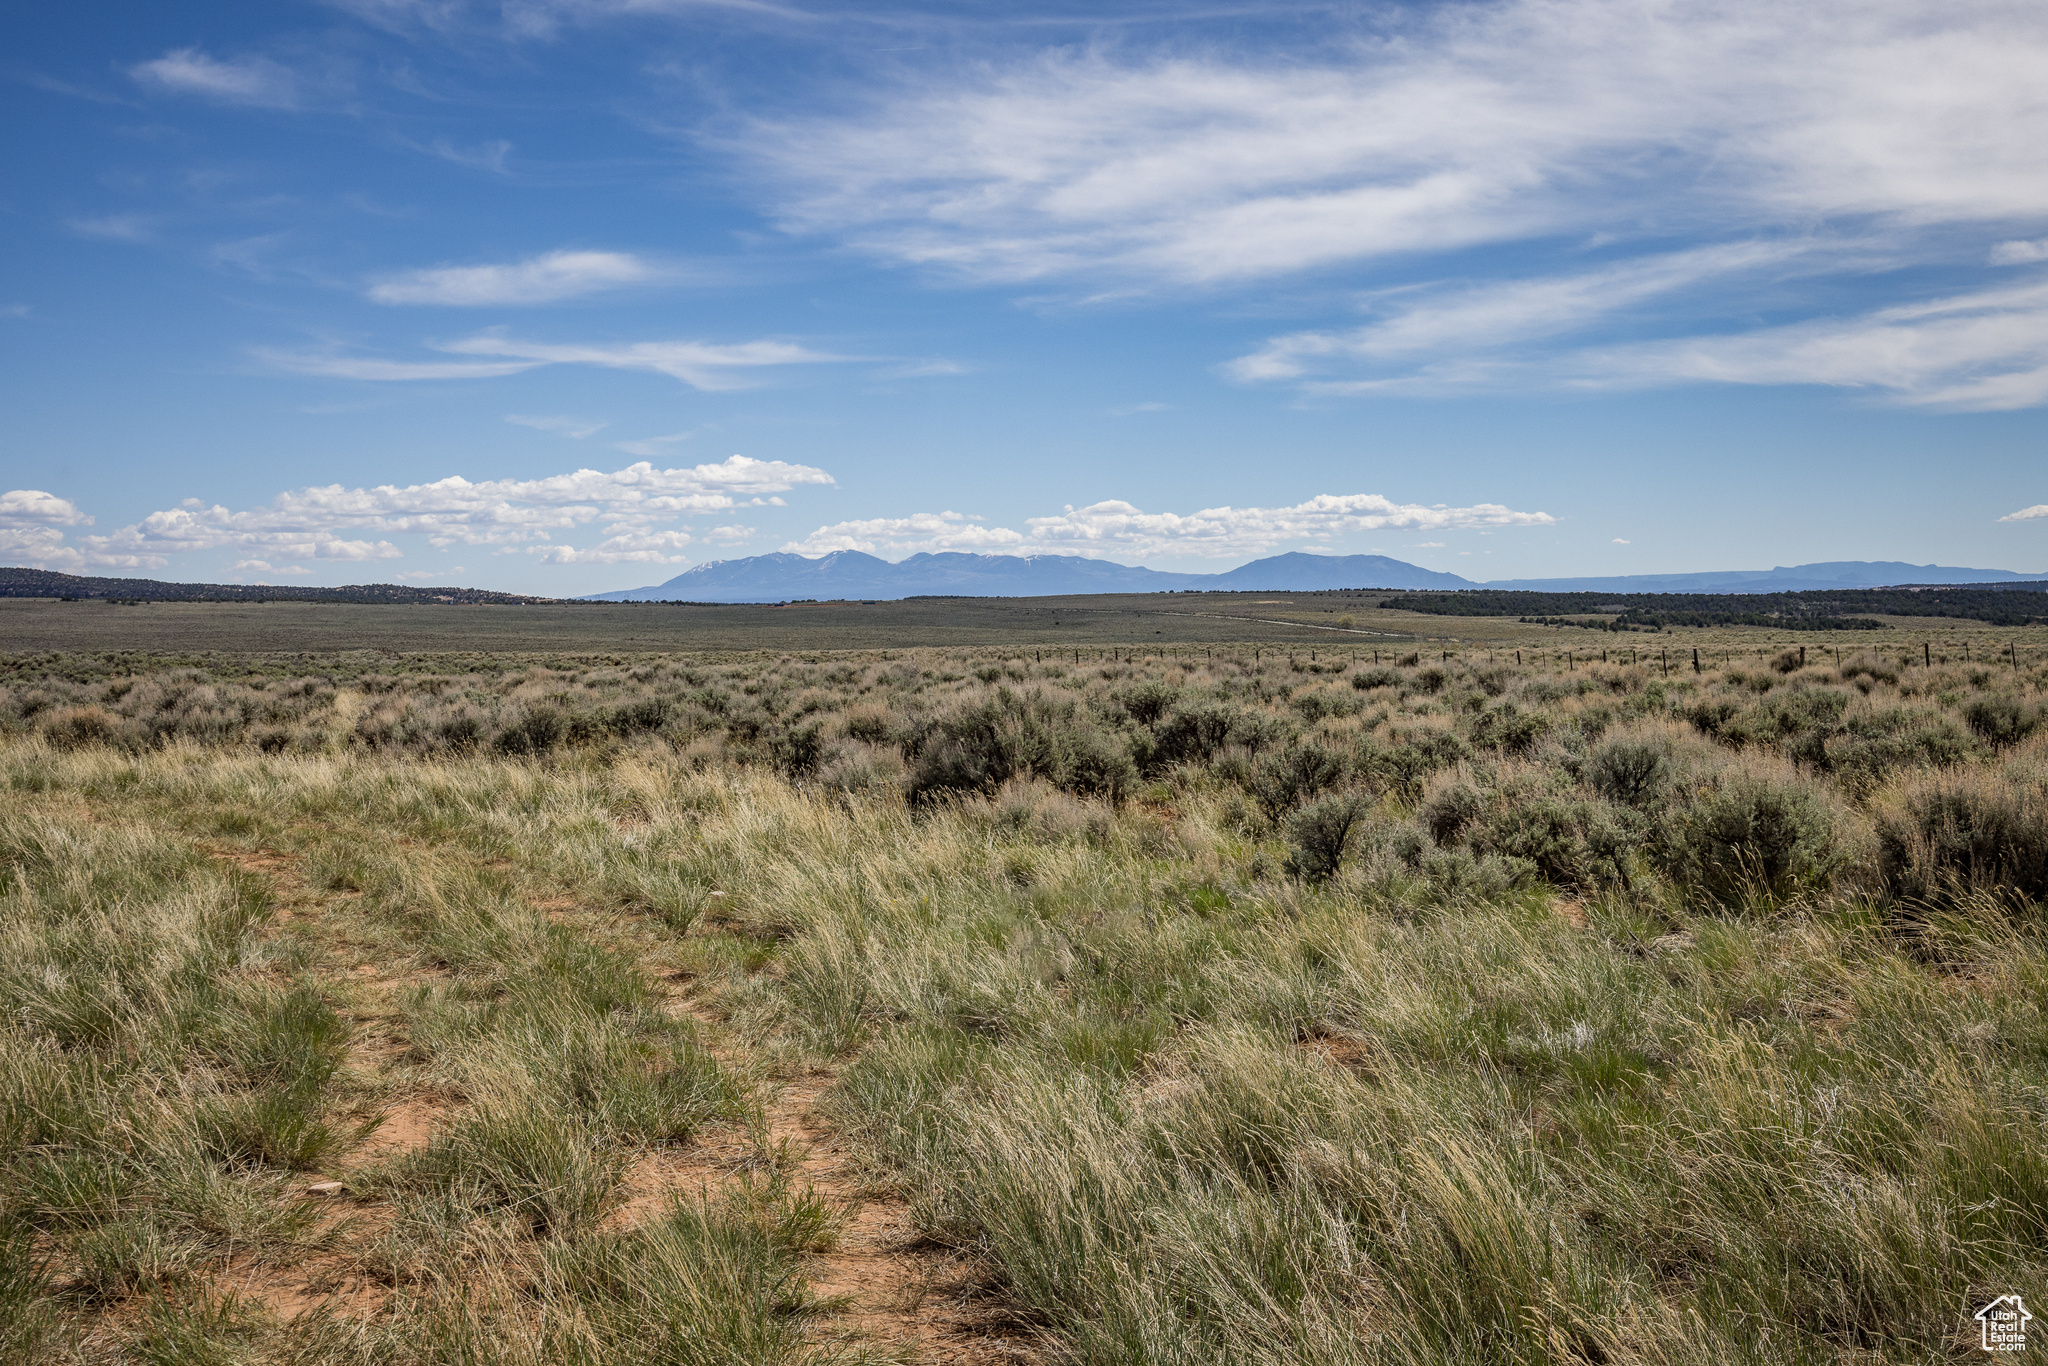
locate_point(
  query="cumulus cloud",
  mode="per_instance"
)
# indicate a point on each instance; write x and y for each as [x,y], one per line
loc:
[1119,527]
[701,365]
[1458,125]
[543,279]
[632,547]
[921,531]
[2034,513]
[339,523]
[242,80]
[1123,530]
[20,508]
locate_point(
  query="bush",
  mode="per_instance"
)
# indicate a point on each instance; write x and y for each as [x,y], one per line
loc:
[1319,834]
[1509,729]
[798,752]
[1748,837]
[537,730]
[984,744]
[2000,719]
[1453,811]
[1286,778]
[77,727]
[1192,734]
[1089,763]
[1147,702]
[1635,773]
[1367,679]
[1945,838]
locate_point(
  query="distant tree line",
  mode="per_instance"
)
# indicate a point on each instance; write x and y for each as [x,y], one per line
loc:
[1818,610]
[43,583]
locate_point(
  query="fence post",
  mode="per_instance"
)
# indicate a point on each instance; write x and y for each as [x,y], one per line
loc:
[1926,655]
[1695,659]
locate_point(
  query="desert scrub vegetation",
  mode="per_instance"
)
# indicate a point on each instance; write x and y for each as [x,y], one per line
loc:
[1209,1009]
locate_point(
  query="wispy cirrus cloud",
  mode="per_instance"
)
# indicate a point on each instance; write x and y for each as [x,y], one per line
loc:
[1448,126]
[116,227]
[1121,529]
[1982,351]
[1415,324]
[252,80]
[1709,151]
[575,428]
[708,366]
[1985,351]
[548,278]
[335,522]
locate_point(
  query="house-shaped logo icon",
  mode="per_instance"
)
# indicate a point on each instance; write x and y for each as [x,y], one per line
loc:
[2005,1322]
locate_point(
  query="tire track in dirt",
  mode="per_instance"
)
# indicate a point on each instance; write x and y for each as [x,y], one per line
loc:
[330,1275]
[900,1292]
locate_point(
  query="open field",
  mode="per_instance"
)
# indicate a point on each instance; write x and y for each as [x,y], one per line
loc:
[1352,621]
[962,1005]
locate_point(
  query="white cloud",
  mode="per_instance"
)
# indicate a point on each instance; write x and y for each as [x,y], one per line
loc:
[114,227]
[1619,541]
[1118,527]
[244,80]
[350,524]
[921,531]
[2034,513]
[653,447]
[574,427]
[1980,352]
[1454,126]
[701,365]
[1122,530]
[543,279]
[31,529]
[2019,253]
[382,371]
[35,508]
[1490,316]
[653,547]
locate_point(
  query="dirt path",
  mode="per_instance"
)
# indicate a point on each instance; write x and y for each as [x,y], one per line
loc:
[898,1294]
[914,1300]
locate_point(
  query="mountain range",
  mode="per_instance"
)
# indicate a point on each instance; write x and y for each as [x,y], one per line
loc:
[851,574]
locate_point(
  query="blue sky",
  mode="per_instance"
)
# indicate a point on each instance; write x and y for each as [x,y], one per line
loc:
[567,295]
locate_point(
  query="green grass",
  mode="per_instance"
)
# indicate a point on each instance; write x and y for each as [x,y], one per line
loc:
[1422,1012]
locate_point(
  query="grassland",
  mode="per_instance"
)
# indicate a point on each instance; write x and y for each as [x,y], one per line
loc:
[1221,1005]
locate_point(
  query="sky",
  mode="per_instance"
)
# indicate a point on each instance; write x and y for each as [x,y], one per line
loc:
[561,296]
